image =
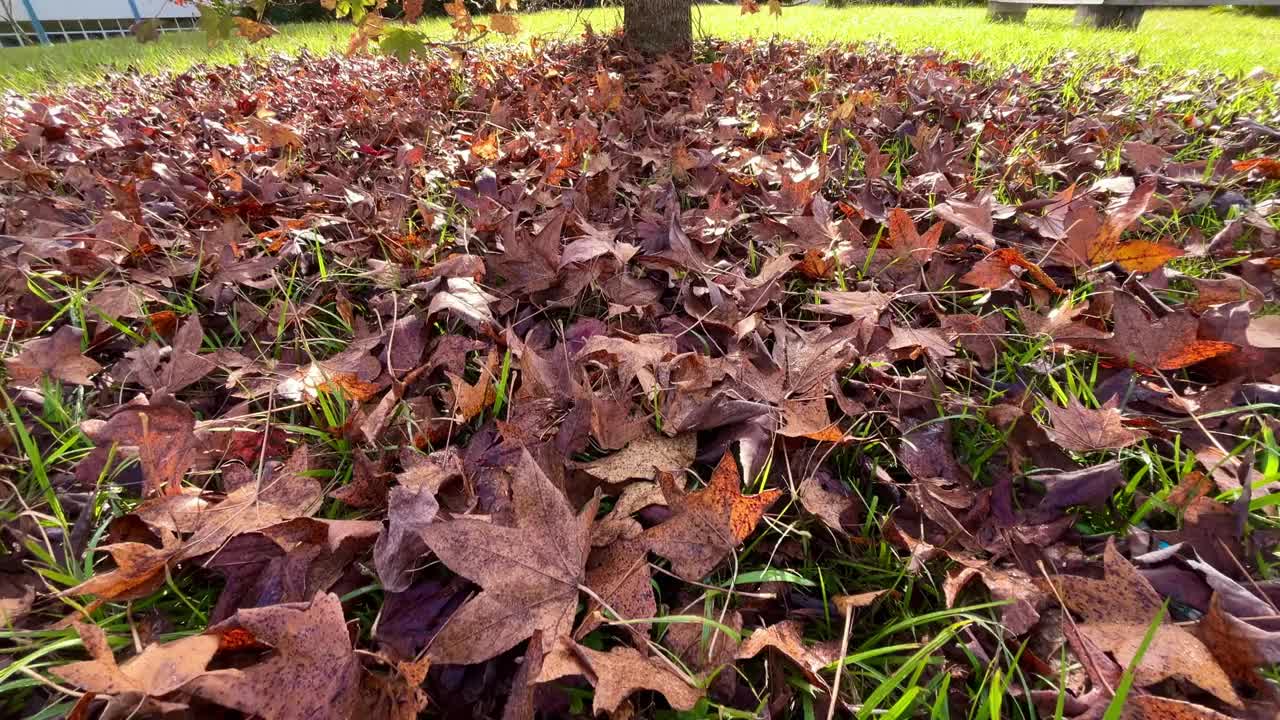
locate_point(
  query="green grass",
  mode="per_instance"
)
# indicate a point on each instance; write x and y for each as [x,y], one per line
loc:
[1215,39]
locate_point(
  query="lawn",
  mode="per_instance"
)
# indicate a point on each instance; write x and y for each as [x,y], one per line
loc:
[1217,40]
[546,380]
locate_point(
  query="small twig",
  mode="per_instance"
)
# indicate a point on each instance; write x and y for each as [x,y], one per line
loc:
[844,650]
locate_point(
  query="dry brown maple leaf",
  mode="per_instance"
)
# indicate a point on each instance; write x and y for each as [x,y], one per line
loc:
[906,242]
[645,455]
[1240,648]
[400,547]
[707,524]
[1222,291]
[57,356]
[619,574]
[158,670]
[139,570]
[916,341]
[1152,707]
[830,500]
[469,400]
[163,433]
[1082,429]
[1169,343]
[1172,653]
[1124,596]
[980,336]
[529,573]
[1118,611]
[855,304]
[1090,240]
[787,637]
[616,675]
[311,673]
[1103,244]
[1144,256]
[286,494]
[996,270]
[465,299]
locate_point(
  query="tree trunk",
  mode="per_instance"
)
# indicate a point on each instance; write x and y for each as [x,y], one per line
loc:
[658,26]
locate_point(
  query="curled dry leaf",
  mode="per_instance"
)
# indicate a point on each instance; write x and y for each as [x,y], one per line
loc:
[1240,648]
[787,637]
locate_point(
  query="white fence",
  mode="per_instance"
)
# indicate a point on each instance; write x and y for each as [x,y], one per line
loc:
[62,20]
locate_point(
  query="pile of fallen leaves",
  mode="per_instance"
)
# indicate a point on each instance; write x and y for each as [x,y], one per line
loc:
[447,378]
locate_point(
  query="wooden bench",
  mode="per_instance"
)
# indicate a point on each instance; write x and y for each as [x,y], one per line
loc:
[1125,14]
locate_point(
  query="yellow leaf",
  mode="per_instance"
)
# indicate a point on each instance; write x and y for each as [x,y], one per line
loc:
[775,7]
[252,30]
[1144,256]
[505,24]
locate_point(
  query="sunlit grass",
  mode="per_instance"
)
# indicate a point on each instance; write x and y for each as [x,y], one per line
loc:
[1176,40]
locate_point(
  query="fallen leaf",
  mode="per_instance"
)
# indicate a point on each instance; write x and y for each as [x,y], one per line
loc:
[410,510]
[865,306]
[529,573]
[906,242]
[787,637]
[1082,429]
[643,456]
[505,24]
[1152,707]
[619,575]
[617,675]
[918,341]
[159,669]
[1124,596]
[1144,256]
[464,299]
[311,672]
[162,432]
[139,571]
[1173,653]
[707,524]
[1240,648]
[1266,167]
[996,270]
[1088,486]
[1264,331]
[57,356]
[469,400]
[1169,343]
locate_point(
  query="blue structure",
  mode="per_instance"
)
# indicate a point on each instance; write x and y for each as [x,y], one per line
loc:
[37,25]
